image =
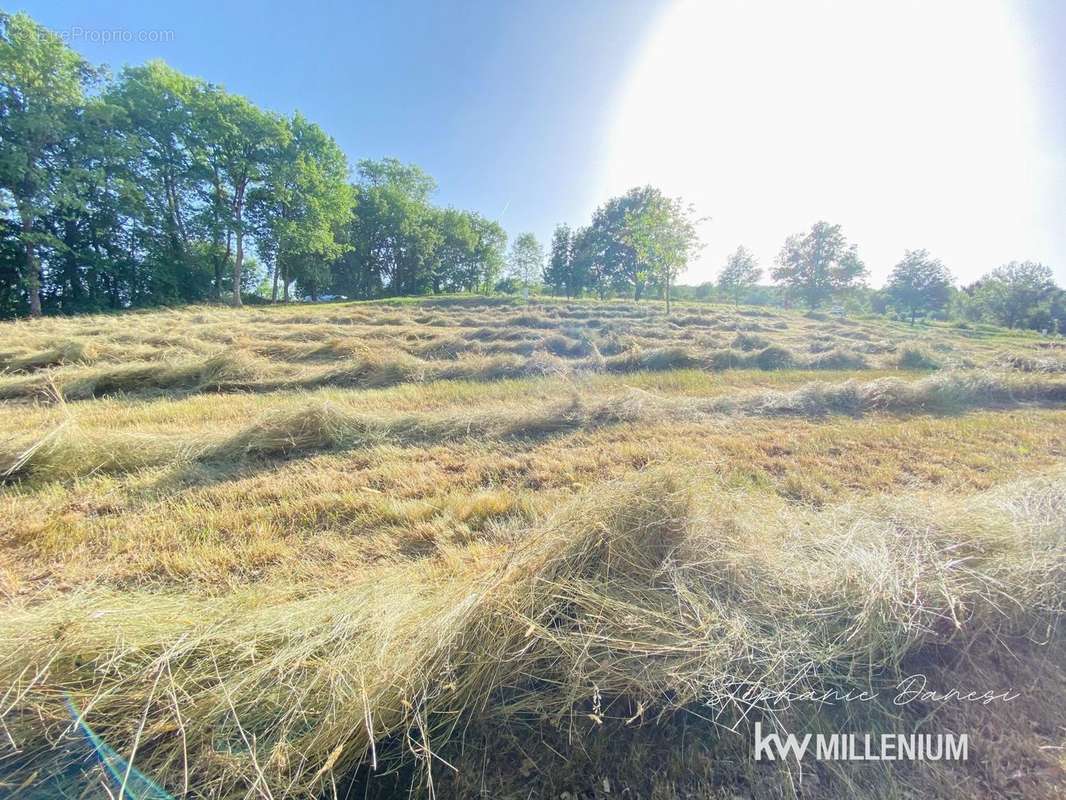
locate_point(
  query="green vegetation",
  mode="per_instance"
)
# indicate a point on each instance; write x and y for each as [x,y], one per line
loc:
[467,547]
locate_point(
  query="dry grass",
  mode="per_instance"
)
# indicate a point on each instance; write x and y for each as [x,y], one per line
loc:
[633,603]
[463,549]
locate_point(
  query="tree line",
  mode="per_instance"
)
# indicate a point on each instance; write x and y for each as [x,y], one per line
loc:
[813,269]
[155,187]
[821,266]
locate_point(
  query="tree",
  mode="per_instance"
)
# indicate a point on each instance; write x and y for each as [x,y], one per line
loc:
[558,273]
[918,283]
[740,273]
[400,243]
[42,83]
[1014,291]
[585,266]
[489,248]
[662,235]
[611,261]
[240,142]
[302,207]
[526,261]
[394,234]
[100,252]
[818,264]
[158,125]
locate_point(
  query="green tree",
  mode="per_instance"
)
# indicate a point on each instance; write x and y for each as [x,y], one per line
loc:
[526,261]
[394,233]
[918,284]
[159,125]
[489,249]
[819,263]
[661,232]
[740,273]
[302,208]
[1013,292]
[612,263]
[96,221]
[586,265]
[469,253]
[455,265]
[238,144]
[559,272]
[42,85]
[158,188]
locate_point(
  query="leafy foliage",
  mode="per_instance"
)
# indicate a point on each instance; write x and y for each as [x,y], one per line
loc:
[662,234]
[818,263]
[919,284]
[1012,293]
[740,273]
[155,191]
[525,263]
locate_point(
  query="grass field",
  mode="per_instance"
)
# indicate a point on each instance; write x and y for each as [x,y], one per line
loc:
[473,548]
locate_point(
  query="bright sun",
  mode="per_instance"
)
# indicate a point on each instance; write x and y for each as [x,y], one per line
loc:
[911,123]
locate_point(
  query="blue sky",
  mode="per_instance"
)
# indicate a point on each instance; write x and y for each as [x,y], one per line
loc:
[531,112]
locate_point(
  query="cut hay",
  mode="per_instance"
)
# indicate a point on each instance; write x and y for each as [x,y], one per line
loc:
[634,605]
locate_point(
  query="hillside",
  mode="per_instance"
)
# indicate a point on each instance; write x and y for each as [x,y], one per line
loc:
[473,548]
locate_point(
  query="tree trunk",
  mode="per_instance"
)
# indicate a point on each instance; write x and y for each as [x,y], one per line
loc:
[667,295]
[238,259]
[237,262]
[33,272]
[274,292]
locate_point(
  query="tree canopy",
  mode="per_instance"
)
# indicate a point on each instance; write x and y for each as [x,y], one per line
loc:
[525,263]
[1014,292]
[918,284]
[740,273]
[154,190]
[816,264]
[661,232]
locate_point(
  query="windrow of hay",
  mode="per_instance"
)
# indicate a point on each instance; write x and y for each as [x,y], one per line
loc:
[916,358]
[248,365]
[638,602]
[944,393]
[67,450]
[1025,363]
[68,351]
[289,338]
[228,370]
[770,357]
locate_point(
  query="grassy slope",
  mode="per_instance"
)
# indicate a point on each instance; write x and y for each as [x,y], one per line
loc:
[272,546]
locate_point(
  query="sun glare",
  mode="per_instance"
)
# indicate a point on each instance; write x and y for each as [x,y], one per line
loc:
[912,124]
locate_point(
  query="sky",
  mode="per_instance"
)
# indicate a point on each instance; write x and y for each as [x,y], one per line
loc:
[938,124]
